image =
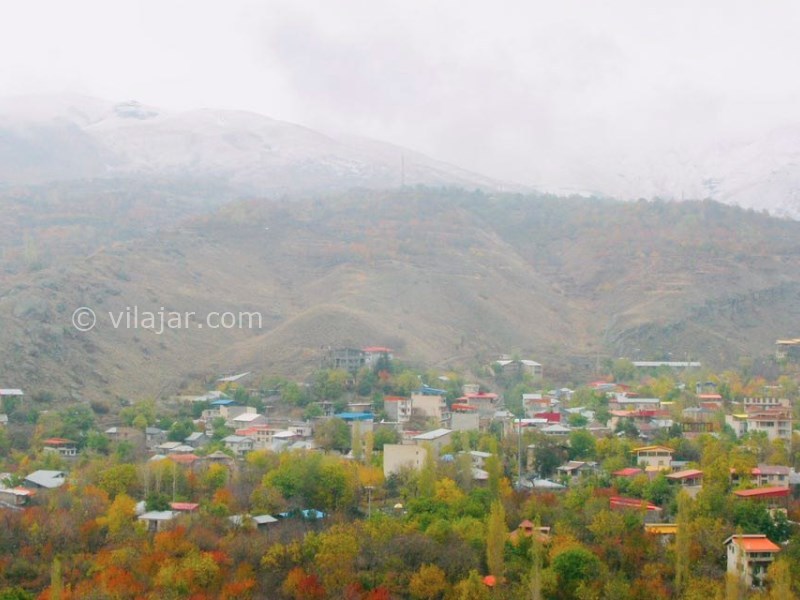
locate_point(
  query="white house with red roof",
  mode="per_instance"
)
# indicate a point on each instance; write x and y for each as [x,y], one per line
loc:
[372,354]
[749,557]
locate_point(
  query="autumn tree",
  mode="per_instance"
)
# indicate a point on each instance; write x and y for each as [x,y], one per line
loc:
[496,535]
[428,583]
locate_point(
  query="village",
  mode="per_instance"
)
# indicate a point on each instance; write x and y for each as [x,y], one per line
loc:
[241,453]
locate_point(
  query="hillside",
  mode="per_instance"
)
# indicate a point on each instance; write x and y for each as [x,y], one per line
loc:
[444,277]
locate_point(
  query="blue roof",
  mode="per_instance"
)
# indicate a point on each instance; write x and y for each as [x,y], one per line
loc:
[356,416]
[223,402]
[429,391]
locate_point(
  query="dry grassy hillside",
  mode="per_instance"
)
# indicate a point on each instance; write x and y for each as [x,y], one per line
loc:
[442,276]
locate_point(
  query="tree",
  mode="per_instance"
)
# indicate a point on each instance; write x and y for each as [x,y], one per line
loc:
[573,566]
[428,583]
[582,444]
[682,541]
[496,535]
[333,434]
[472,588]
[356,443]
[427,476]
[779,576]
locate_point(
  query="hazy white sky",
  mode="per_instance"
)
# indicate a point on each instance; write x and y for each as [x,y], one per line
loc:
[529,90]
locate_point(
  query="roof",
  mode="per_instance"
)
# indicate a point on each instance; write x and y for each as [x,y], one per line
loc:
[356,416]
[223,402]
[194,436]
[771,470]
[47,479]
[159,515]
[246,417]
[11,392]
[653,448]
[661,528]
[464,407]
[628,472]
[621,502]
[236,439]
[377,349]
[184,506]
[232,378]
[757,542]
[555,428]
[764,492]
[432,435]
[57,442]
[183,459]
[686,474]
[394,398]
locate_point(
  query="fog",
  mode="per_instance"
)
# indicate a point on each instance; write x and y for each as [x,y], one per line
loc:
[564,95]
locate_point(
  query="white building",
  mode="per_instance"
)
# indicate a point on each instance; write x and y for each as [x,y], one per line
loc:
[749,557]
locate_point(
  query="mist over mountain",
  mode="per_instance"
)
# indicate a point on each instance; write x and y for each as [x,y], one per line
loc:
[56,138]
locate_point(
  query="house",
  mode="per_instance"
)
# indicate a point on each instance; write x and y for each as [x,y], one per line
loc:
[15,497]
[661,529]
[131,435]
[198,439]
[3,419]
[774,497]
[373,354]
[516,367]
[623,402]
[239,444]
[45,479]
[399,456]
[527,529]
[431,405]
[346,359]
[158,520]
[654,458]
[556,429]
[153,436]
[776,423]
[438,438]
[737,422]
[184,507]
[464,417]
[61,446]
[771,475]
[484,402]
[652,513]
[247,419]
[478,458]
[749,557]
[760,403]
[256,521]
[577,468]
[689,479]
[397,408]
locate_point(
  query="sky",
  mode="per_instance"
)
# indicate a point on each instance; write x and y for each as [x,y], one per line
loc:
[542,93]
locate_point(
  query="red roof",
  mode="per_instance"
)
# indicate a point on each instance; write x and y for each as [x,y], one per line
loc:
[393,398]
[552,417]
[57,442]
[482,396]
[754,543]
[628,472]
[687,474]
[183,458]
[464,407]
[184,506]
[620,502]
[709,396]
[764,492]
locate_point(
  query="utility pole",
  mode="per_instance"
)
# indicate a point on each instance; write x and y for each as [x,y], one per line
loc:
[369,489]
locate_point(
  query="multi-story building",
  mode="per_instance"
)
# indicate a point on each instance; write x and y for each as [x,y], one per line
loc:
[749,557]
[776,423]
[654,458]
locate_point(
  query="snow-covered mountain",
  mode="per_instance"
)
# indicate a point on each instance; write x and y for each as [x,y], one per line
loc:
[47,138]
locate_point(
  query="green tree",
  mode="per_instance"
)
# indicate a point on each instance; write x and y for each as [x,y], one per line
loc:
[574,566]
[582,444]
[472,588]
[682,541]
[333,434]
